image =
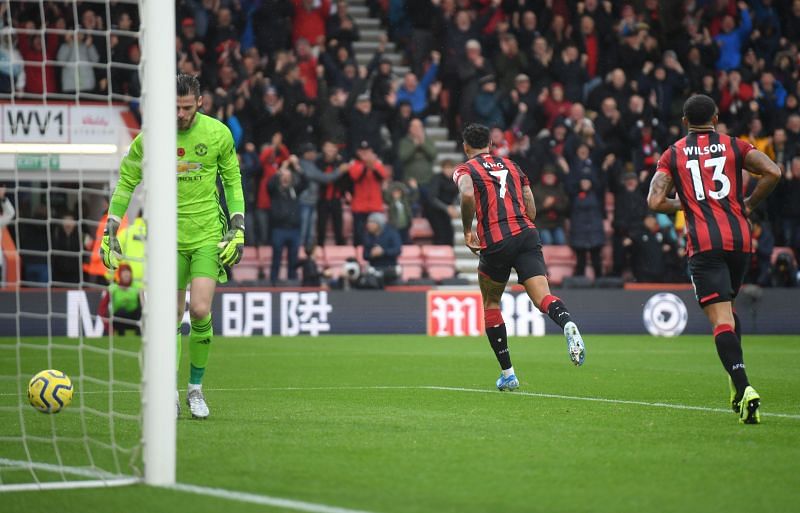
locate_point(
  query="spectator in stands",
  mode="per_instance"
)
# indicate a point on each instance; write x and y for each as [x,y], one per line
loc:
[76,54]
[442,204]
[364,124]
[554,105]
[12,70]
[341,27]
[763,244]
[329,205]
[509,62]
[65,241]
[122,301]
[416,91]
[271,158]
[552,207]
[367,173]
[586,227]
[570,71]
[274,21]
[398,199]
[467,73]
[38,79]
[382,246]
[284,189]
[310,17]
[651,251]
[487,103]
[732,39]
[250,168]
[309,198]
[7,213]
[630,208]
[789,193]
[416,155]
[32,242]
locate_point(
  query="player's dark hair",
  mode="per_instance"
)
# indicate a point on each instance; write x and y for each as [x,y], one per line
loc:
[476,135]
[699,109]
[188,84]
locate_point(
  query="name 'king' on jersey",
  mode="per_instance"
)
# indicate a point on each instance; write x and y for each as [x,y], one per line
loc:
[706,168]
[499,204]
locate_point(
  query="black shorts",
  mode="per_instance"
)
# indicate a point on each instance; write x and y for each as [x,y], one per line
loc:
[717,275]
[523,252]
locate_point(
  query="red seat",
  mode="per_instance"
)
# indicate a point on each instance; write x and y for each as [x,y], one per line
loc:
[411,272]
[420,229]
[438,253]
[410,254]
[265,254]
[439,272]
[558,255]
[557,273]
[244,272]
[250,256]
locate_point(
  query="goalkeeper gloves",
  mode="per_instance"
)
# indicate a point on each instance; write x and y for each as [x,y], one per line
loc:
[110,250]
[232,245]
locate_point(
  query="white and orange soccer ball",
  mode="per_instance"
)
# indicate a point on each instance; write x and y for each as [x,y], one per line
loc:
[50,391]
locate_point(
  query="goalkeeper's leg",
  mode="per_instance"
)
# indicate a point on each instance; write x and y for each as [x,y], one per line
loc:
[201,296]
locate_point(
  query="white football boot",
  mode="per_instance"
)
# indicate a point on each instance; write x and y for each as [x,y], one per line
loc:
[197,404]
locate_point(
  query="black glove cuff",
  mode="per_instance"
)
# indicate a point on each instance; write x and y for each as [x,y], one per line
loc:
[237,222]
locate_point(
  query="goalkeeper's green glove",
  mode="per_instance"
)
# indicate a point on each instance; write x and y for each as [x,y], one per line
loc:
[110,250]
[232,245]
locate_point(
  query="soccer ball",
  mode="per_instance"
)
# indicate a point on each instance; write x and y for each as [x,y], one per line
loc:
[50,391]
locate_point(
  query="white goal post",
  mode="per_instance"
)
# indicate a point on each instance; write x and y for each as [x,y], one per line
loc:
[121,426]
[160,135]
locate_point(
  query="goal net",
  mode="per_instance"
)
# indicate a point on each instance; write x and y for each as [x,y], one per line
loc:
[73,94]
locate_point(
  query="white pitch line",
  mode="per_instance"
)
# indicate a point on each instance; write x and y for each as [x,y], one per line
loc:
[674,406]
[264,500]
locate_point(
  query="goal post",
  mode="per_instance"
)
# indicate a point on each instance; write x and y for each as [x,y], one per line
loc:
[60,152]
[160,135]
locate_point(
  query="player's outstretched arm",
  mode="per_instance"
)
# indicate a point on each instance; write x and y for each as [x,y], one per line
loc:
[657,198]
[468,211]
[530,204]
[768,173]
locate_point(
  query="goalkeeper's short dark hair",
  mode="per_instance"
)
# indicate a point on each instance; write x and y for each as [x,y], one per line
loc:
[476,135]
[699,109]
[188,84]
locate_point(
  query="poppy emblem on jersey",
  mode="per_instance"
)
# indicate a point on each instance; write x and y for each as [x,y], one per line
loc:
[201,150]
[181,152]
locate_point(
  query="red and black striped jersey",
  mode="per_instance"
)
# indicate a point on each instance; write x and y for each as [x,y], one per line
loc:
[499,205]
[706,168]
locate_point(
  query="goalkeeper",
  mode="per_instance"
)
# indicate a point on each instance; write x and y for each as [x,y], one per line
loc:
[207,243]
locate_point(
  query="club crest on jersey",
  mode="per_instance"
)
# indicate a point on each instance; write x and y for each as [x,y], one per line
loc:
[492,165]
[201,150]
[181,152]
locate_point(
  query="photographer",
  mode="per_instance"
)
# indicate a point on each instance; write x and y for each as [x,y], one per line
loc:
[382,246]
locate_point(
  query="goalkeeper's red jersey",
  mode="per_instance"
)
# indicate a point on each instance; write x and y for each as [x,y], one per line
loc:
[499,205]
[706,168]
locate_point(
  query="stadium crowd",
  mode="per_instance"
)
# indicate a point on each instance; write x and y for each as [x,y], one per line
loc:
[582,94]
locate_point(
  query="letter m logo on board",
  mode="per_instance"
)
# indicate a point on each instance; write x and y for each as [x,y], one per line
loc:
[454,313]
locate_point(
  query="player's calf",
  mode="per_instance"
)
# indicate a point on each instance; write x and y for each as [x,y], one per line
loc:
[498,339]
[557,311]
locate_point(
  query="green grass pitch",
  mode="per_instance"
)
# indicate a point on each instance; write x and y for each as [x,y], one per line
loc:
[355,422]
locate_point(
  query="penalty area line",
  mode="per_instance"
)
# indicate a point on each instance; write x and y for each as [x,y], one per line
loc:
[263,500]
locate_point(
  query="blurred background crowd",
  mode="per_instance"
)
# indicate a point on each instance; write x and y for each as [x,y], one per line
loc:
[342,110]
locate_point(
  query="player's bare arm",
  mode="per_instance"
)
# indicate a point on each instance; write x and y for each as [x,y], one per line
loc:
[468,212]
[768,173]
[530,204]
[658,198]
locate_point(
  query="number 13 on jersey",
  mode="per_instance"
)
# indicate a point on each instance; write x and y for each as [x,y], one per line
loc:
[718,163]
